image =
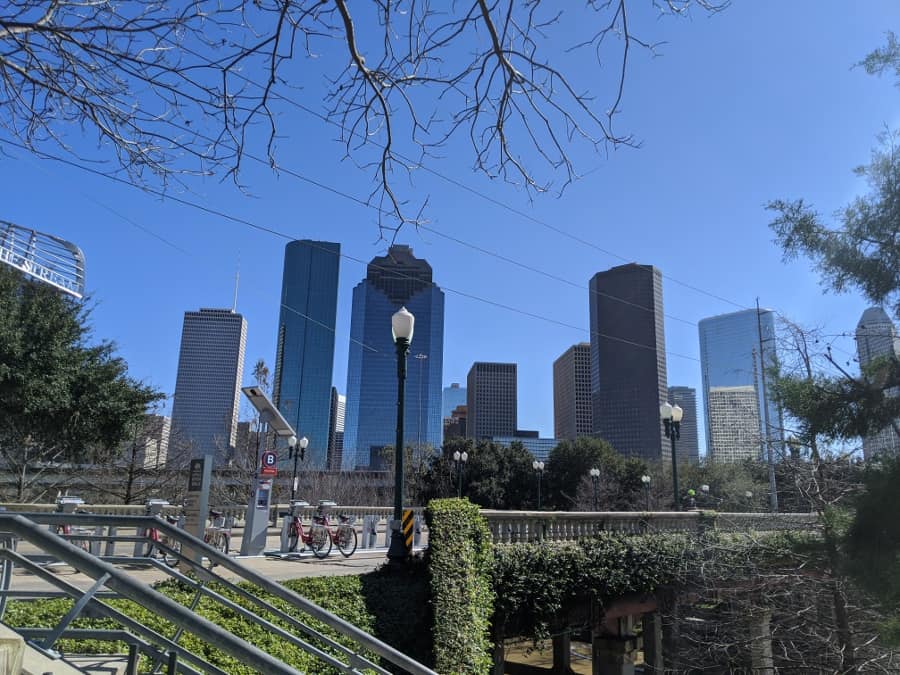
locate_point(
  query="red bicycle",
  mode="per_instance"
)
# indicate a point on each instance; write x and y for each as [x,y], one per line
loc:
[162,546]
[343,533]
[318,537]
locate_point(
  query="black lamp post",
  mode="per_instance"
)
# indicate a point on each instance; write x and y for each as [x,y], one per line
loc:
[595,479]
[645,479]
[402,324]
[671,417]
[297,450]
[539,467]
[460,458]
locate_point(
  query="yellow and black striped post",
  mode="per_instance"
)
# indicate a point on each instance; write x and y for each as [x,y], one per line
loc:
[408,520]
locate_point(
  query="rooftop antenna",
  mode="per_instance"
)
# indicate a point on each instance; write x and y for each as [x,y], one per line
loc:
[237,281]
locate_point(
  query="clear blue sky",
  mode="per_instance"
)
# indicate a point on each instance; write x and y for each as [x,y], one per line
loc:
[755,103]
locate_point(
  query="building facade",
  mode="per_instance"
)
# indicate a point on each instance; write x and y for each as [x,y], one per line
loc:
[730,357]
[572,409]
[336,431]
[688,445]
[207,388]
[876,337]
[396,280]
[492,400]
[151,446]
[454,396]
[304,358]
[455,425]
[735,428]
[540,448]
[628,360]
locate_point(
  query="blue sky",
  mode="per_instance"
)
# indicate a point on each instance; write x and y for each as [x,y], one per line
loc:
[755,103]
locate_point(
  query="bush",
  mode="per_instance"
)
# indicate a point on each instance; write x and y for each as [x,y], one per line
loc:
[460,559]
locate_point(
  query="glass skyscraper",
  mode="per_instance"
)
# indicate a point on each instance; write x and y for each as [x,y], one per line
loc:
[730,357]
[876,337]
[304,358]
[396,280]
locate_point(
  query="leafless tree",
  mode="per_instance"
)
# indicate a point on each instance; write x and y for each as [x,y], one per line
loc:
[168,88]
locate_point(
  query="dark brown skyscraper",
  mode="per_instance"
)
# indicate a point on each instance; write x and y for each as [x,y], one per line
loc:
[492,400]
[688,446]
[628,359]
[572,416]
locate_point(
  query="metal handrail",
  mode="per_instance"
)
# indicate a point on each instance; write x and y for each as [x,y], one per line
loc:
[26,527]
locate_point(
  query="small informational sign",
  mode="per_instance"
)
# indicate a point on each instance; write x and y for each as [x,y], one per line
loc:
[264,494]
[268,464]
[195,475]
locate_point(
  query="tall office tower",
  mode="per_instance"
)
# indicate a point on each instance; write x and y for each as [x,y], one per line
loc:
[730,357]
[492,401]
[396,280]
[336,430]
[454,396]
[734,428]
[688,445]
[628,360]
[572,415]
[876,337]
[207,389]
[304,358]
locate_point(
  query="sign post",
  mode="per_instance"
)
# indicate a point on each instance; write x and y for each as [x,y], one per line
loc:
[196,501]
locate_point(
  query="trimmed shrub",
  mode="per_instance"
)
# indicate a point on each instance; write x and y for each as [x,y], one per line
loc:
[460,560]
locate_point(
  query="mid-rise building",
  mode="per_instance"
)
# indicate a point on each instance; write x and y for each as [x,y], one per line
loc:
[738,350]
[628,360]
[207,388]
[454,396]
[151,445]
[734,430]
[688,445]
[876,337]
[492,402]
[455,425]
[336,432]
[572,412]
[304,357]
[396,280]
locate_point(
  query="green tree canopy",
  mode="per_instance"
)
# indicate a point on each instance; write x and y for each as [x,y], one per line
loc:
[61,398]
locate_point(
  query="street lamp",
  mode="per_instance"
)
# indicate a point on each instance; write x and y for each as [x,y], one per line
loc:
[595,479]
[539,467]
[645,479]
[297,450]
[671,417]
[402,324]
[704,490]
[749,496]
[460,458]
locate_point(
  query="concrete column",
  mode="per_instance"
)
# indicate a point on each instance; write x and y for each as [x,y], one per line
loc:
[612,655]
[653,642]
[761,660]
[562,654]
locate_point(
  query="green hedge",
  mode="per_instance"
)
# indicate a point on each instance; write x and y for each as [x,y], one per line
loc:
[388,606]
[535,583]
[460,560]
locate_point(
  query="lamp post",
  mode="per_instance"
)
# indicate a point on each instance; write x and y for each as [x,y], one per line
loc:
[460,458]
[402,324]
[671,417]
[645,479]
[595,479]
[704,491]
[749,496]
[297,450]
[539,467]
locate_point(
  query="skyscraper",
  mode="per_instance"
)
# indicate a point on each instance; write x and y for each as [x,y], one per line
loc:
[876,337]
[734,427]
[492,407]
[454,396]
[336,430]
[688,445]
[304,358]
[207,389]
[572,414]
[396,280]
[628,359]
[730,357]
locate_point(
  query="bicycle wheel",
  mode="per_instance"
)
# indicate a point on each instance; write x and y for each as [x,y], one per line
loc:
[293,537]
[346,540]
[221,542]
[171,559]
[320,540]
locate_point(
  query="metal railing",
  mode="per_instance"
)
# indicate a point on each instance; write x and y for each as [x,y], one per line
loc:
[112,581]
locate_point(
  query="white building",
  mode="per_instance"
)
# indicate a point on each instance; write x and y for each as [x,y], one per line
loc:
[734,431]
